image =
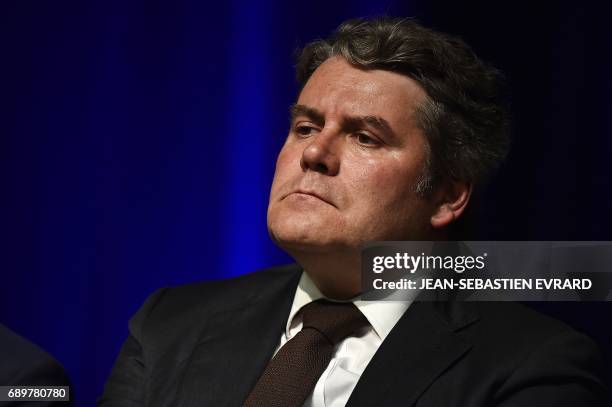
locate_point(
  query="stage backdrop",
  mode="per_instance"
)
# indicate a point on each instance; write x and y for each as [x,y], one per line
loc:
[138,141]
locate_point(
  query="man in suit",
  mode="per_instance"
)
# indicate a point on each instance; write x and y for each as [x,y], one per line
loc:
[393,128]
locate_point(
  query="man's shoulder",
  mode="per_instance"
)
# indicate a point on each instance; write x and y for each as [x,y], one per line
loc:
[171,308]
[512,334]
[251,286]
[514,352]
[515,320]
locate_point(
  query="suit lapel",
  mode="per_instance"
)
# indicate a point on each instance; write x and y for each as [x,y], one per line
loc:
[422,345]
[235,346]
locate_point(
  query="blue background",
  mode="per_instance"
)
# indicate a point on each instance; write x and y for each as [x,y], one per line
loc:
[138,141]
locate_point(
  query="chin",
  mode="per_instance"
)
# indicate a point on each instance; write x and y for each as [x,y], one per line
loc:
[307,239]
[309,231]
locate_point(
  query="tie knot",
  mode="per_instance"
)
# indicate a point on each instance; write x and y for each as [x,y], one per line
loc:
[334,320]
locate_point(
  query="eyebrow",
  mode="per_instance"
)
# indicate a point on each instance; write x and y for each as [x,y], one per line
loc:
[354,121]
[313,114]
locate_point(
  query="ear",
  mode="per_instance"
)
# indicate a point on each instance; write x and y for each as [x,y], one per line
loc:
[451,202]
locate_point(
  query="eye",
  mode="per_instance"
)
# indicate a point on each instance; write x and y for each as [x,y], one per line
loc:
[367,140]
[304,131]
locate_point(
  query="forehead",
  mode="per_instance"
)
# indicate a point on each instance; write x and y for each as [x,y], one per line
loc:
[338,88]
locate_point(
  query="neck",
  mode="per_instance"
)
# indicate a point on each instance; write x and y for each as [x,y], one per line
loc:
[336,275]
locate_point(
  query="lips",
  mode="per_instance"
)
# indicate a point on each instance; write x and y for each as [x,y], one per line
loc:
[311,193]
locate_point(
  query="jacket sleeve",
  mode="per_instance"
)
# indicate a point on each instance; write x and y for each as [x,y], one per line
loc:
[125,386]
[563,371]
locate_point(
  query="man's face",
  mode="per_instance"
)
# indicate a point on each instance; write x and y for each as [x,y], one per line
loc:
[349,168]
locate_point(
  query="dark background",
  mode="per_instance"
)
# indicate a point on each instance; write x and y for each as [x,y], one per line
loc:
[138,140]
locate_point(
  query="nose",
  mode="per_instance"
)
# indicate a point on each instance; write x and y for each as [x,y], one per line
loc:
[322,153]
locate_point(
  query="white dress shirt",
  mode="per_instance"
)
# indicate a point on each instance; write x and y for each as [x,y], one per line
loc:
[352,355]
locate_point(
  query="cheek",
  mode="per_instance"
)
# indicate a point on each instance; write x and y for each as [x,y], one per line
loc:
[287,164]
[383,182]
[286,156]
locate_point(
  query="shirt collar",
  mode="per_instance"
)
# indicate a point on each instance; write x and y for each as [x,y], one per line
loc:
[382,315]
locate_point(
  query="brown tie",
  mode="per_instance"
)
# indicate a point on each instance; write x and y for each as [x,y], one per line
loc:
[293,372]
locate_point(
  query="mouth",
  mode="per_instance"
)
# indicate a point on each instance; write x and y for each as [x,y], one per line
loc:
[310,193]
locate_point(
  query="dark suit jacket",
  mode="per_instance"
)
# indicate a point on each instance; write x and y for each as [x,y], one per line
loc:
[207,344]
[24,364]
